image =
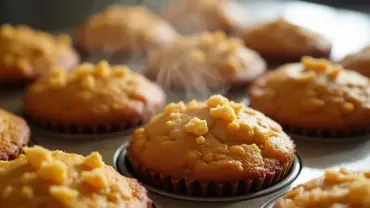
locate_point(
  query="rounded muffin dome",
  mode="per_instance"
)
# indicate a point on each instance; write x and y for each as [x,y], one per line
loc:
[213,141]
[43,178]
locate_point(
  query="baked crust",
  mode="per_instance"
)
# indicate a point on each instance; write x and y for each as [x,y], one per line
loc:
[14,135]
[359,61]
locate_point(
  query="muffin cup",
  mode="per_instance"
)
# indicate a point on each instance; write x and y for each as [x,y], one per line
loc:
[184,186]
[327,134]
[83,129]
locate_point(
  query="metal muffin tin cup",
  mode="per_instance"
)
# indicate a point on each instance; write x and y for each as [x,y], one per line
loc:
[121,163]
[271,203]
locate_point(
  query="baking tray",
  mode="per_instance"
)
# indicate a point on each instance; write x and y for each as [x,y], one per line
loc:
[349,32]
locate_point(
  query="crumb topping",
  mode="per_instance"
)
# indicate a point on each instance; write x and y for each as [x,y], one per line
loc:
[210,135]
[341,188]
[319,94]
[57,179]
[209,56]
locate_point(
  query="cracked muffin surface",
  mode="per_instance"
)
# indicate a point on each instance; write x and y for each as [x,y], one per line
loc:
[92,95]
[14,134]
[216,140]
[26,54]
[314,94]
[43,178]
[343,188]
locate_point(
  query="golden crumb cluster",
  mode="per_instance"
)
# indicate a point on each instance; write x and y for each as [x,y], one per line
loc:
[26,52]
[217,134]
[14,134]
[281,40]
[93,94]
[314,94]
[208,58]
[43,178]
[341,188]
[123,29]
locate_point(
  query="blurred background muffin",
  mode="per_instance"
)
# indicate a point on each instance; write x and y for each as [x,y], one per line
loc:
[282,41]
[203,61]
[92,99]
[358,61]
[125,29]
[315,97]
[14,135]
[194,16]
[26,54]
[43,178]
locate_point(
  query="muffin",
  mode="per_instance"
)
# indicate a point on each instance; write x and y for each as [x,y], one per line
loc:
[315,98]
[43,178]
[282,41]
[92,99]
[343,188]
[359,61]
[123,29]
[217,148]
[195,16]
[14,134]
[25,54]
[206,59]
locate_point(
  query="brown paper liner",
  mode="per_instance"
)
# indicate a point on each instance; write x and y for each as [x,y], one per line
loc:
[197,188]
[84,129]
[327,133]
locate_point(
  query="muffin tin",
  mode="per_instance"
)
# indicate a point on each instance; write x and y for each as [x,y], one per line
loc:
[316,155]
[121,163]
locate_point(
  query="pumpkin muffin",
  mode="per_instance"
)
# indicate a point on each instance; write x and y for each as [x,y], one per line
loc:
[315,97]
[282,41]
[123,29]
[43,178]
[14,134]
[194,16]
[335,189]
[216,148]
[25,54]
[209,59]
[359,61]
[92,99]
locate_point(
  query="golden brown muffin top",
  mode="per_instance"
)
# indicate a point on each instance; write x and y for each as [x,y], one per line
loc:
[192,16]
[216,140]
[92,94]
[207,57]
[25,52]
[359,61]
[43,178]
[337,189]
[123,28]
[314,94]
[14,134]
[282,36]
